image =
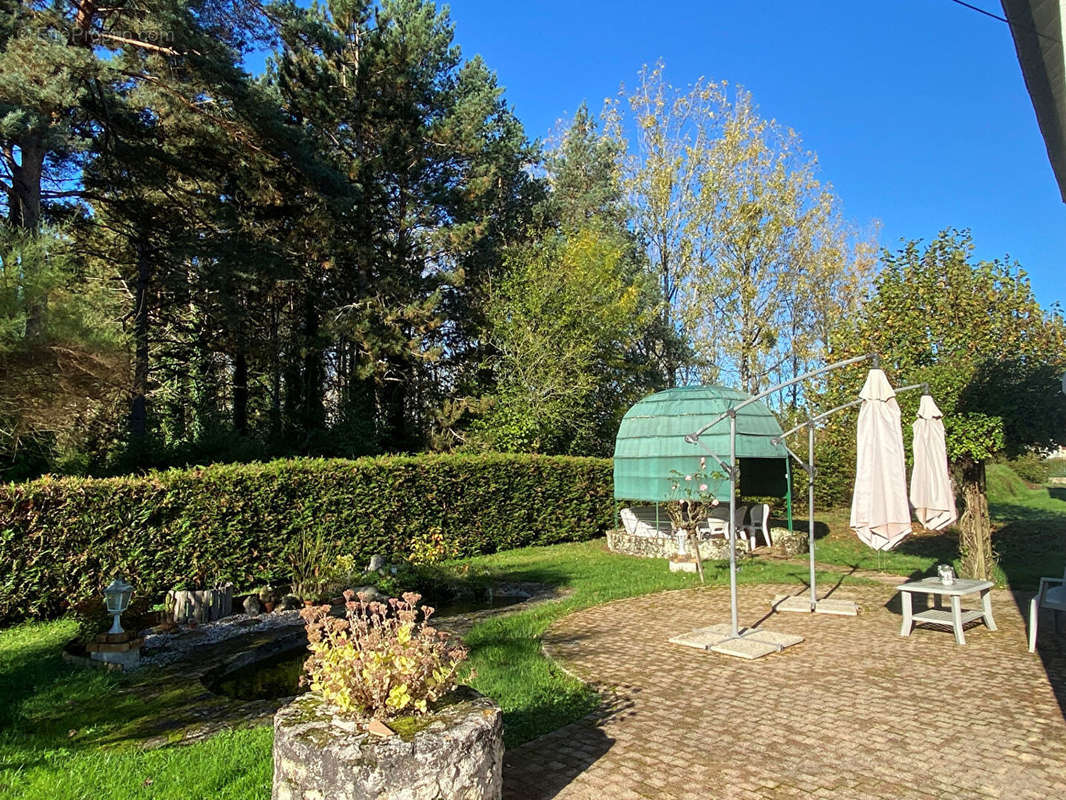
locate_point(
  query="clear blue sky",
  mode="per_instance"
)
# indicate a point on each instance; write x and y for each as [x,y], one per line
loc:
[916,108]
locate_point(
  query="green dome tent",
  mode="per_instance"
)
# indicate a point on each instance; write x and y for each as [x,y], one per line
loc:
[650,451]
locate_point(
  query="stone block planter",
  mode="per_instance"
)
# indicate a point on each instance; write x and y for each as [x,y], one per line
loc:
[454,753]
[715,549]
[204,605]
[789,543]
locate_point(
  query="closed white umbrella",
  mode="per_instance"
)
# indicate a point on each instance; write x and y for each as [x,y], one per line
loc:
[931,495]
[880,513]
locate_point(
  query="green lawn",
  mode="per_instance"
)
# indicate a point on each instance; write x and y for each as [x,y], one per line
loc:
[62,736]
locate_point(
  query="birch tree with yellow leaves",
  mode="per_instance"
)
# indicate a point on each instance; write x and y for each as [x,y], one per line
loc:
[751,250]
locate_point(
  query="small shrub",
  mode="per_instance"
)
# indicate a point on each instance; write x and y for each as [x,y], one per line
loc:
[381,661]
[1031,467]
[432,547]
[1056,467]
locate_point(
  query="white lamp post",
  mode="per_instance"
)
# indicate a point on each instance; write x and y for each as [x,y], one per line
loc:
[117,599]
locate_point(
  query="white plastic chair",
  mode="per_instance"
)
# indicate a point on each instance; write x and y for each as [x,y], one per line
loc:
[1049,596]
[760,523]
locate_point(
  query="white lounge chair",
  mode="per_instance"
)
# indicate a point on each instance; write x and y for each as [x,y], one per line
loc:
[1049,596]
[641,521]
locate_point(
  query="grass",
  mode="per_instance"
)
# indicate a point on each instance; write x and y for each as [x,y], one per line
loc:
[67,733]
[55,719]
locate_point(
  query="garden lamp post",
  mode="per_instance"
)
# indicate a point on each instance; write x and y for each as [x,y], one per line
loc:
[117,599]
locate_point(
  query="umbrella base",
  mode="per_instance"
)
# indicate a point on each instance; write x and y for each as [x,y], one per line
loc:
[750,643]
[802,604]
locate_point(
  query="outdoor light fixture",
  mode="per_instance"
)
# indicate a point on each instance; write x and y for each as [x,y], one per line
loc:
[117,599]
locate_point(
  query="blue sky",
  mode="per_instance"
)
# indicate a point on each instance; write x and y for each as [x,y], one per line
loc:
[916,108]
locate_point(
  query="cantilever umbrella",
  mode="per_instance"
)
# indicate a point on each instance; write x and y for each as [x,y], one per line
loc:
[931,495]
[880,513]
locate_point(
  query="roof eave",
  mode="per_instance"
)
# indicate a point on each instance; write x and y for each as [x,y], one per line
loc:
[1036,26]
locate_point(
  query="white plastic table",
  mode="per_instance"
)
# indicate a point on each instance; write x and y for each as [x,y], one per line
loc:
[957,616]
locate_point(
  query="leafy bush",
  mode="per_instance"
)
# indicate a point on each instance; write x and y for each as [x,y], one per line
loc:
[382,661]
[1031,467]
[1056,467]
[62,540]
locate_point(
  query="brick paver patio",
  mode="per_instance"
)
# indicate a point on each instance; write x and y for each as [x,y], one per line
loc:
[855,711]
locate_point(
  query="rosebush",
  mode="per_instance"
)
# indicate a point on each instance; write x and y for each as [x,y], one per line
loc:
[382,660]
[62,540]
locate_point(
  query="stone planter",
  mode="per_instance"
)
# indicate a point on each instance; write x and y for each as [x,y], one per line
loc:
[715,549]
[789,543]
[204,605]
[454,753]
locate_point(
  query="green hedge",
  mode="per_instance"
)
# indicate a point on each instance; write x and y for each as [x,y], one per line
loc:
[61,539]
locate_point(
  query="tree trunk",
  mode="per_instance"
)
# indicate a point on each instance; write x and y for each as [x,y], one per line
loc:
[313,408]
[240,390]
[139,393]
[975,543]
[25,212]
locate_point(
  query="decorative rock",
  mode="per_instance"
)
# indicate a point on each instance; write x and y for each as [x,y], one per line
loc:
[290,602]
[457,752]
[682,564]
[789,543]
[252,607]
[377,564]
[370,594]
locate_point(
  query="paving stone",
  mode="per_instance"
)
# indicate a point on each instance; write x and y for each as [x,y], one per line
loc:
[857,712]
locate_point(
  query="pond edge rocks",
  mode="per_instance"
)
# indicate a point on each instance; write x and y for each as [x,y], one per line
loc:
[455,752]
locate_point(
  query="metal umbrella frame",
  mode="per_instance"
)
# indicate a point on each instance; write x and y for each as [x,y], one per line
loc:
[731,471]
[811,471]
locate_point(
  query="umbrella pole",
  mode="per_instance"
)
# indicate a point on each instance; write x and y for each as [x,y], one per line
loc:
[810,511]
[788,492]
[733,522]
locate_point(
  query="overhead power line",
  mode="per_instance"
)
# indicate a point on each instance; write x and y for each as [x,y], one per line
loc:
[998,18]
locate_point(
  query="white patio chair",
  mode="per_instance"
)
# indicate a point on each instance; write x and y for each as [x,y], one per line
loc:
[1049,596]
[760,523]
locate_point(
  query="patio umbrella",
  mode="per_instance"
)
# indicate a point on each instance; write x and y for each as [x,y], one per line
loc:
[931,495]
[880,513]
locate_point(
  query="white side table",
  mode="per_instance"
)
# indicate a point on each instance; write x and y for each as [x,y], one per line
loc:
[957,616]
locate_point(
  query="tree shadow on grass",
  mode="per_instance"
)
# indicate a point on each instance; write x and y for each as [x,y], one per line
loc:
[821,530]
[52,704]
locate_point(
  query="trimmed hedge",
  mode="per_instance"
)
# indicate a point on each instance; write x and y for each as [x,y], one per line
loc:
[62,539]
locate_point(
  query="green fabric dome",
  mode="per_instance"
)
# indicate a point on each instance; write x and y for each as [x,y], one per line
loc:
[650,450]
